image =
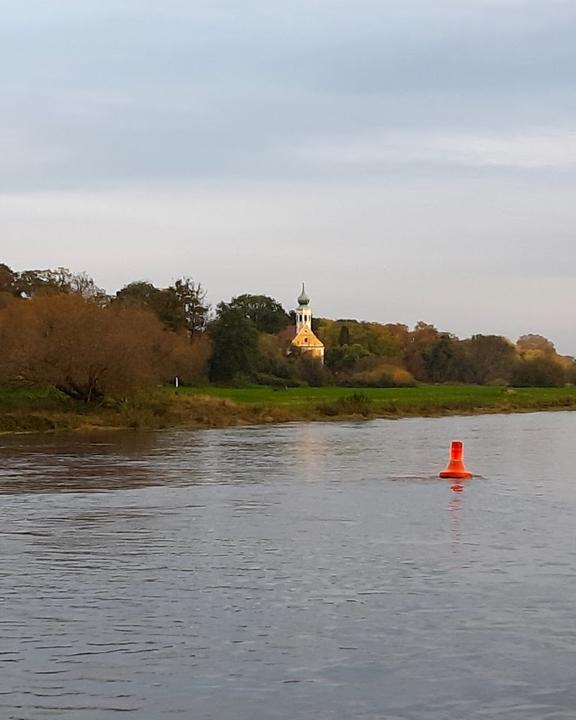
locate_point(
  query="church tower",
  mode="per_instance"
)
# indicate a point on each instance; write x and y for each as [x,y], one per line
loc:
[304,313]
[305,340]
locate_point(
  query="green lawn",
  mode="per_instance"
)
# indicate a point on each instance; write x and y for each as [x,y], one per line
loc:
[423,395]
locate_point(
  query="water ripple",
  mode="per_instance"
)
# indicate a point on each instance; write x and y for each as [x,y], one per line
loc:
[290,572]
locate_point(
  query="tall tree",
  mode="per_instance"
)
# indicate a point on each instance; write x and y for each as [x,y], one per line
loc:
[266,313]
[234,343]
[191,301]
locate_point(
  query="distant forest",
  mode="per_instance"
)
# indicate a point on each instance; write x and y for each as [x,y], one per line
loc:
[60,329]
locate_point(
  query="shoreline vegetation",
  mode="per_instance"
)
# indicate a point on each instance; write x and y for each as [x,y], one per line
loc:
[74,357]
[27,409]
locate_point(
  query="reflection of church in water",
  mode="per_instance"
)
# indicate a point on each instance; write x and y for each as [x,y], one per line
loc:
[305,341]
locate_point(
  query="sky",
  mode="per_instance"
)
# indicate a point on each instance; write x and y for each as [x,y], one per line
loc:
[409,160]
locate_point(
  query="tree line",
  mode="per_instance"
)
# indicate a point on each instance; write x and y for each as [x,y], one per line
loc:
[59,328]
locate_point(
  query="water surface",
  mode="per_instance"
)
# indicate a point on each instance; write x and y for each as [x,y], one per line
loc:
[291,572]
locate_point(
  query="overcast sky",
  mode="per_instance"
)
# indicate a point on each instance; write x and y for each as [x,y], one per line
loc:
[409,159]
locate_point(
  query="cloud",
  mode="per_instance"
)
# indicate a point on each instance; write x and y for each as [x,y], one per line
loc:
[545,149]
[117,93]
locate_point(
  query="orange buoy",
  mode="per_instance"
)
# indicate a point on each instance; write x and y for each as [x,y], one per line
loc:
[456,468]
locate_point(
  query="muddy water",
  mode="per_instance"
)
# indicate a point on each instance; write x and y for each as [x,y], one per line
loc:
[293,572]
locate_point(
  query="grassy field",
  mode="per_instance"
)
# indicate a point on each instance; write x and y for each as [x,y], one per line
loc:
[27,409]
[432,397]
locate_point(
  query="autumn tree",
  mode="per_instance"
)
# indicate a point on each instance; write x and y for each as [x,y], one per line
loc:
[191,359]
[83,349]
[419,342]
[532,341]
[398,331]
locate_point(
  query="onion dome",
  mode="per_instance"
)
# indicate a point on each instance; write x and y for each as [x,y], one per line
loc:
[303,298]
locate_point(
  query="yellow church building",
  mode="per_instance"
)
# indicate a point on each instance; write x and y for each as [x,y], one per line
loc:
[305,340]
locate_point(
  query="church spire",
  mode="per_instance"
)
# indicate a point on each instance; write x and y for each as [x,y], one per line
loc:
[303,298]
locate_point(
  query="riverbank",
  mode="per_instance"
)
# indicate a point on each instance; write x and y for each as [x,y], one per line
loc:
[44,409]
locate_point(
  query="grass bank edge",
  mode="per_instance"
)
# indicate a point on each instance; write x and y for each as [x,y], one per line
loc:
[43,409]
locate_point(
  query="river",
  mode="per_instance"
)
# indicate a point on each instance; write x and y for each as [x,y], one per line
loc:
[298,572]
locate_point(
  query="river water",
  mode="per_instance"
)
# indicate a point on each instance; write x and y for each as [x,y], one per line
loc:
[295,572]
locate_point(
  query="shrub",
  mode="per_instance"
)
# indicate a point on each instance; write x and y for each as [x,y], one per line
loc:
[383,376]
